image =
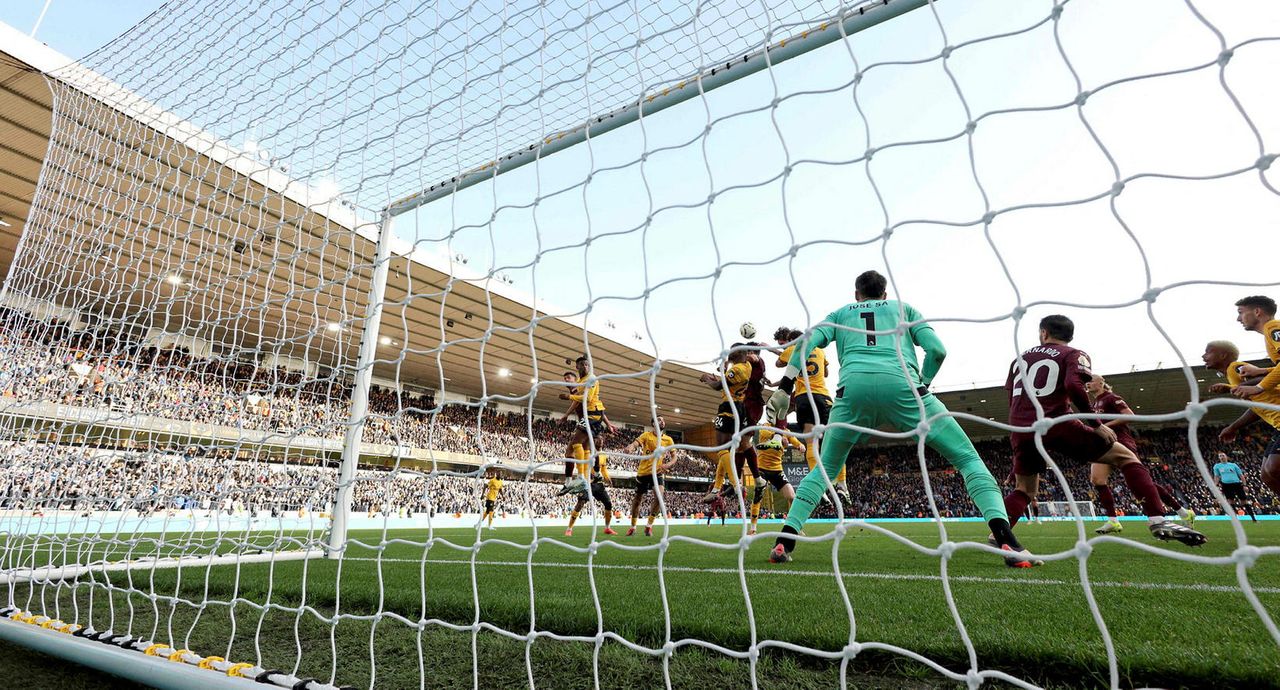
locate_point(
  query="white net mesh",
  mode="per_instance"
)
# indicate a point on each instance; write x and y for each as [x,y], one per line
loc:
[249,411]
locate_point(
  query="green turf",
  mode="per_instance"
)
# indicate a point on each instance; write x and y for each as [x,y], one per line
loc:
[1174,624]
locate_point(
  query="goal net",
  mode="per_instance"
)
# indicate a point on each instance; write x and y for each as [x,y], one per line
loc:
[1064,510]
[304,328]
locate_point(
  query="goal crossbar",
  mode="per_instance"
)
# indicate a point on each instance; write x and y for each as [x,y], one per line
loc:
[721,73]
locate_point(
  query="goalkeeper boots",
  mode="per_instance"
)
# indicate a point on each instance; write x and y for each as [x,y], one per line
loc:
[1111,526]
[1172,531]
[779,554]
[1019,559]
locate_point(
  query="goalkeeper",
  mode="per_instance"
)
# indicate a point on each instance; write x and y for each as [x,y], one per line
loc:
[877,387]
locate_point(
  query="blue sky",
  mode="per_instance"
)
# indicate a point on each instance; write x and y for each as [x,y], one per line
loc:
[651,226]
[76,28]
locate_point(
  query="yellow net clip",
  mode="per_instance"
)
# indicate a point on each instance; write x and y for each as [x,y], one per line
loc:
[235,669]
[208,662]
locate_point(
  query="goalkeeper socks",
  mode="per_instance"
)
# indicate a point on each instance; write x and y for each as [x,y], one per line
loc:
[788,538]
[1138,478]
[1003,532]
[1015,505]
[1106,499]
[1167,497]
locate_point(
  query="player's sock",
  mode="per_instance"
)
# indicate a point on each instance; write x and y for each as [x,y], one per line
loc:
[1106,499]
[633,520]
[726,459]
[1248,509]
[722,467]
[573,517]
[752,461]
[811,453]
[1015,506]
[1003,532]
[1169,500]
[1138,479]
[651,519]
[787,539]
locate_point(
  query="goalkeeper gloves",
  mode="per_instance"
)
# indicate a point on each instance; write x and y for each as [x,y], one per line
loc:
[779,404]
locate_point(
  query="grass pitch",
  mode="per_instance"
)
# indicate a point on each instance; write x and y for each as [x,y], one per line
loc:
[1173,623]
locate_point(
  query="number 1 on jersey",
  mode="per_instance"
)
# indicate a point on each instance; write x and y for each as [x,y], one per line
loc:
[869,318]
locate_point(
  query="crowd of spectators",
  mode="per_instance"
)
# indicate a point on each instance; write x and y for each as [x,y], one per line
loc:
[100,370]
[885,481]
[39,477]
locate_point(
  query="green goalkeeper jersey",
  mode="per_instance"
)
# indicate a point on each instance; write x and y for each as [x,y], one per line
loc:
[872,353]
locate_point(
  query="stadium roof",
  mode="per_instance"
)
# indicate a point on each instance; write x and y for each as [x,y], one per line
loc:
[300,269]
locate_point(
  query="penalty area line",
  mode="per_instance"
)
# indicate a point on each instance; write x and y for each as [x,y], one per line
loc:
[1112,584]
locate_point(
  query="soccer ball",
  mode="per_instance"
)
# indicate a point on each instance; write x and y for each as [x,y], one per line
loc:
[747,330]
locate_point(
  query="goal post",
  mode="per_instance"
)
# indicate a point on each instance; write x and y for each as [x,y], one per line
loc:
[1062,510]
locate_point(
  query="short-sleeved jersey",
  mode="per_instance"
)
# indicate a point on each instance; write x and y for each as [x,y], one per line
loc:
[1110,403]
[869,353]
[1055,375]
[815,369]
[590,399]
[1272,417]
[491,489]
[770,446]
[649,444]
[1228,473]
[1271,330]
[737,376]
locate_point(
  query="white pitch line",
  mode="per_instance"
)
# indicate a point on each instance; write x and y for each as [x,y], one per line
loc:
[854,575]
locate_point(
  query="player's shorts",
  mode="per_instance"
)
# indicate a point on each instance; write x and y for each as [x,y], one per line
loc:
[724,419]
[1071,438]
[599,493]
[1273,447]
[1234,490]
[805,409]
[646,482]
[1128,442]
[489,505]
[595,421]
[775,478]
